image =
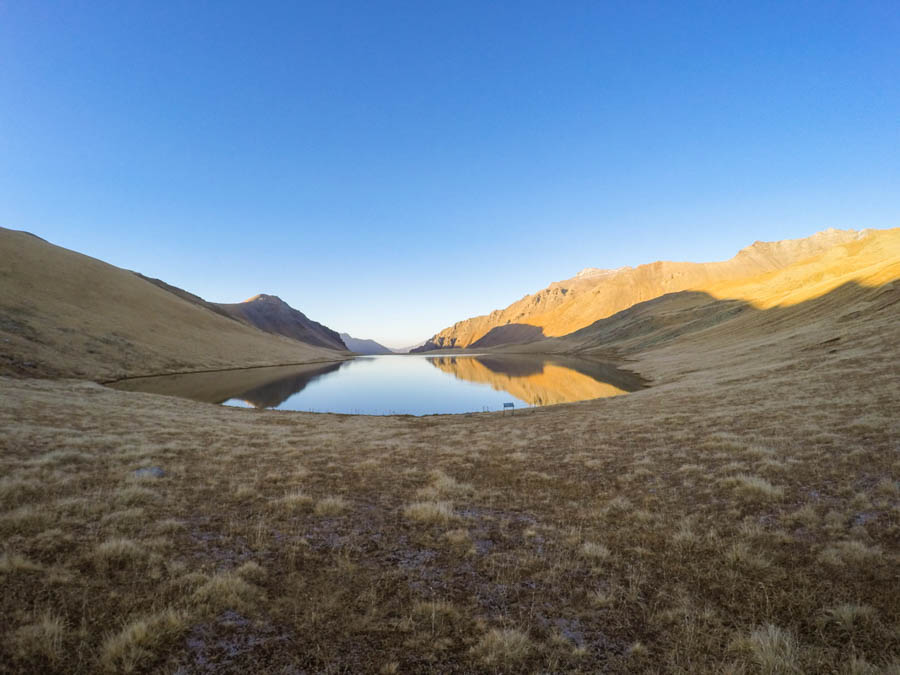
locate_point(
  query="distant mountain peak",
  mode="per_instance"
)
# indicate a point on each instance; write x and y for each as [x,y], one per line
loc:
[273,315]
[364,346]
[589,272]
[265,297]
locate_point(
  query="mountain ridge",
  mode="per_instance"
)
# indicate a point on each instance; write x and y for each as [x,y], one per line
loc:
[566,306]
[365,346]
[66,314]
[273,315]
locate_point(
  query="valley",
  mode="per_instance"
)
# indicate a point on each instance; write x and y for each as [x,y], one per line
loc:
[740,514]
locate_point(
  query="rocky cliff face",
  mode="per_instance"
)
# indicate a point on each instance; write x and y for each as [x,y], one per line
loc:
[273,315]
[566,306]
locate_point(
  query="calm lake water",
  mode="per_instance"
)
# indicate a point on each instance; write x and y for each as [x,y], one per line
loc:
[403,385]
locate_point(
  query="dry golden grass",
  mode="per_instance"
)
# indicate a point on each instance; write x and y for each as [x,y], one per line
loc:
[40,641]
[502,647]
[69,315]
[742,515]
[139,643]
[331,506]
[594,551]
[772,650]
[430,512]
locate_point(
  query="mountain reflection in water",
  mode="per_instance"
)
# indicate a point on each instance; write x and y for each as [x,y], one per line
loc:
[416,385]
[545,380]
[258,387]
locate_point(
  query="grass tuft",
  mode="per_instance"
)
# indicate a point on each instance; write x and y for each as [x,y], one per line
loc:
[42,639]
[141,641]
[754,487]
[227,590]
[849,552]
[11,563]
[772,650]
[331,506]
[501,646]
[594,551]
[296,499]
[430,512]
[117,553]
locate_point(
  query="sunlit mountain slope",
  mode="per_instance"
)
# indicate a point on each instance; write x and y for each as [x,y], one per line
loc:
[66,314]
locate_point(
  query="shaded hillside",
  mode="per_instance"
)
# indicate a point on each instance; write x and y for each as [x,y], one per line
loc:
[273,315]
[362,346]
[568,306]
[66,314]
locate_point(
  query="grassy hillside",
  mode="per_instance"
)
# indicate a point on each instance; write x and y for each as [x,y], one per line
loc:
[830,288]
[273,315]
[68,315]
[764,274]
[742,515]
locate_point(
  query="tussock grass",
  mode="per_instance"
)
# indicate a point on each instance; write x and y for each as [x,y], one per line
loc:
[296,499]
[251,571]
[807,515]
[141,641]
[772,650]
[618,505]
[40,641]
[850,552]
[331,506]
[119,552]
[754,487]
[168,526]
[24,519]
[859,666]
[847,616]
[458,537]
[135,495]
[595,551]
[637,649]
[10,563]
[888,487]
[430,512]
[61,458]
[502,646]
[125,517]
[443,485]
[740,555]
[14,491]
[227,590]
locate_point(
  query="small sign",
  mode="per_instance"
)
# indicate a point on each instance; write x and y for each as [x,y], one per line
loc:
[509,405]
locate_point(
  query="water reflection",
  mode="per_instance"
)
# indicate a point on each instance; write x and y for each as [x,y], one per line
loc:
[545,380]
[258,387]
[416,385]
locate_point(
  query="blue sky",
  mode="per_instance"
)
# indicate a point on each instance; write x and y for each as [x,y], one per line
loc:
[392,167]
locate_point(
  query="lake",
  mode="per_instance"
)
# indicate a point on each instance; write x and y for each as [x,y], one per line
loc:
[402,384]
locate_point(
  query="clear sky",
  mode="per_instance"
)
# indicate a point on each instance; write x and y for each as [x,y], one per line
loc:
[390,168]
